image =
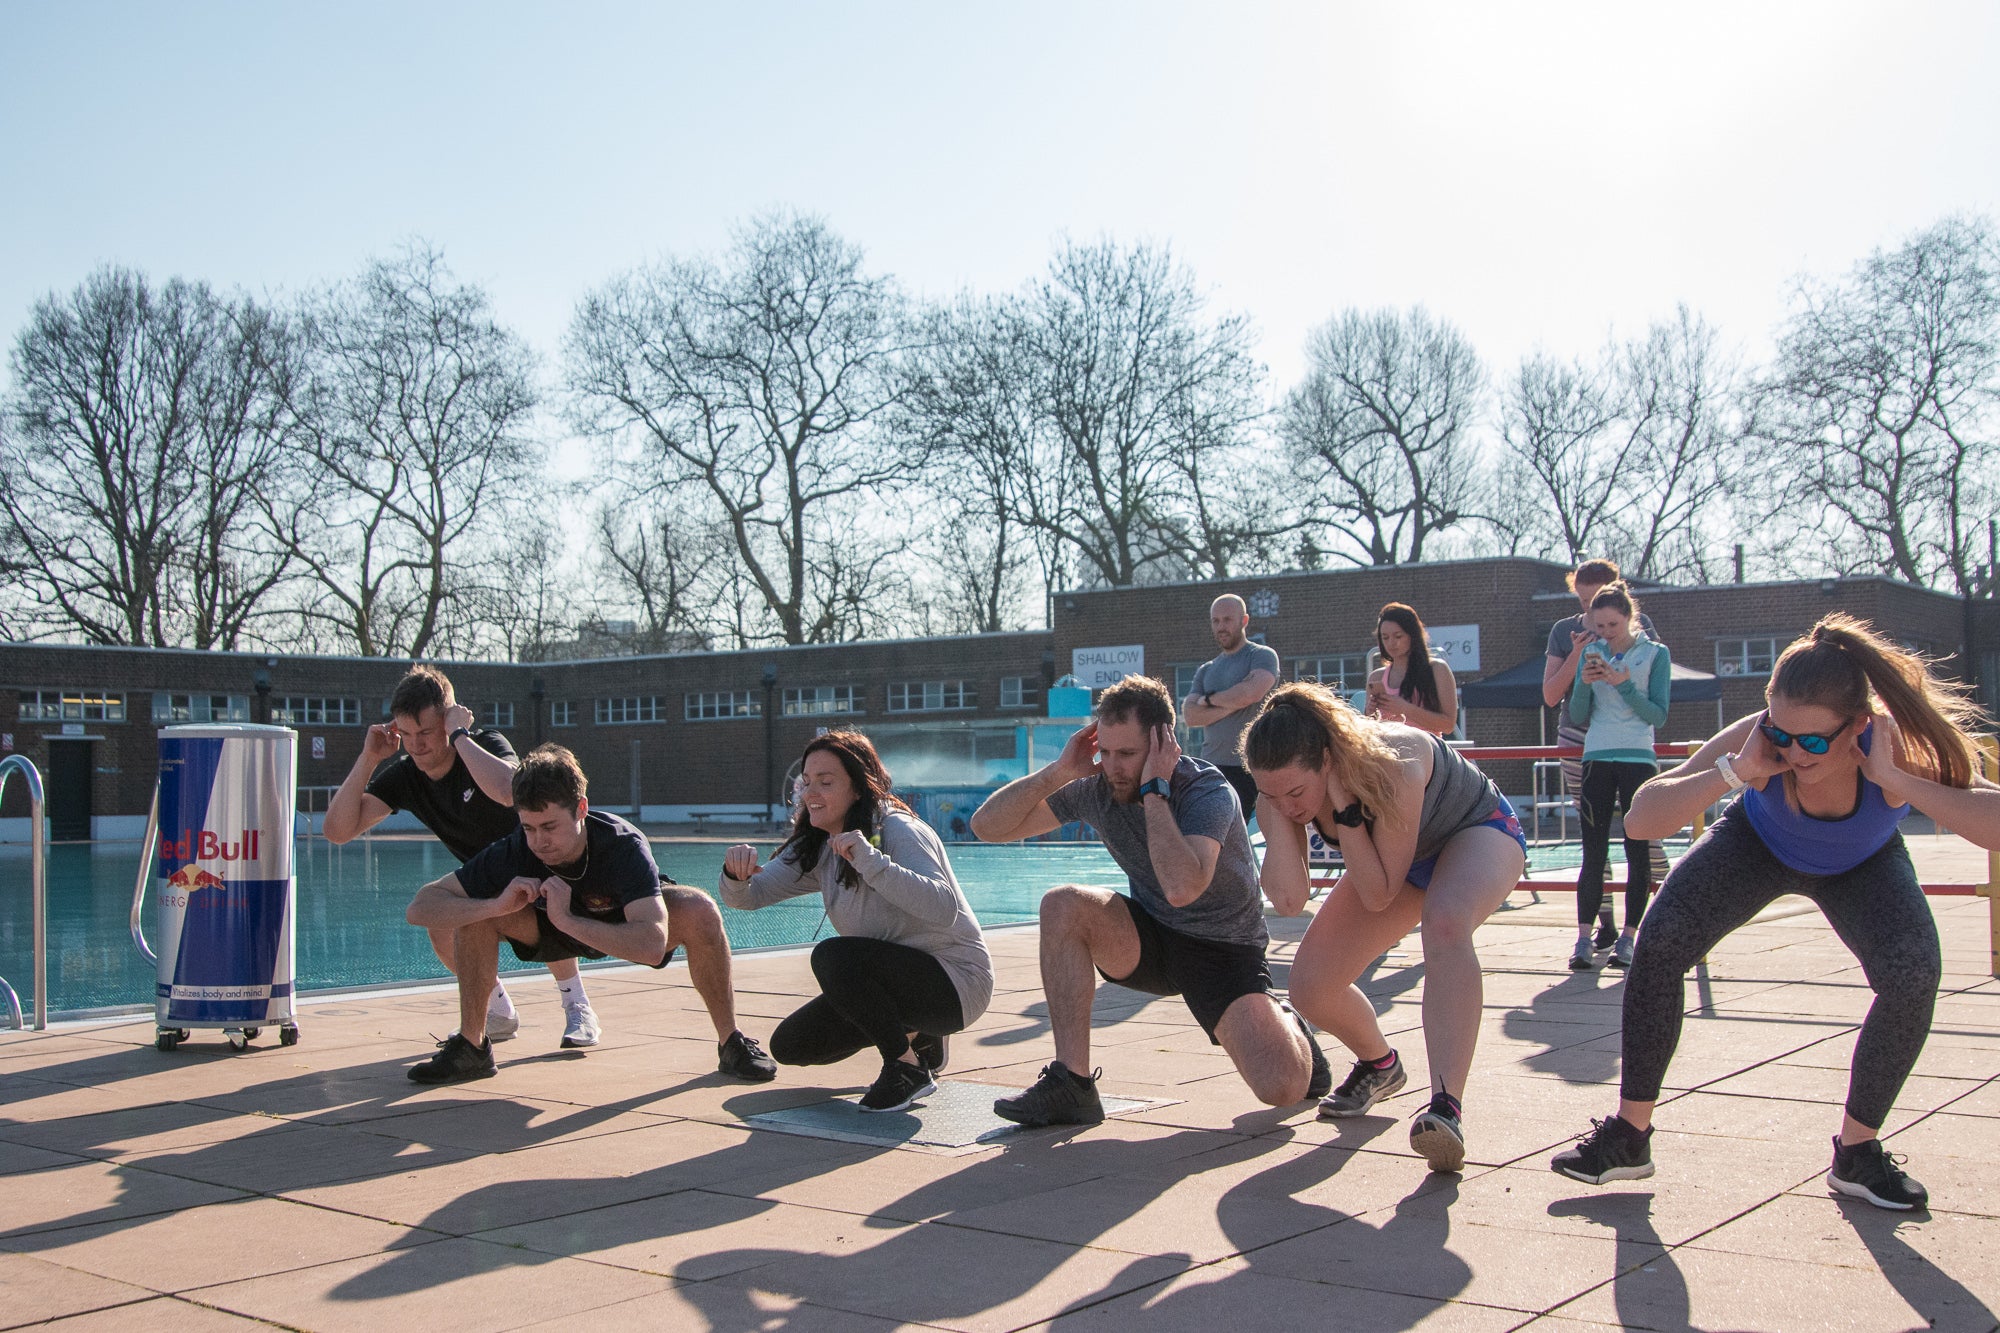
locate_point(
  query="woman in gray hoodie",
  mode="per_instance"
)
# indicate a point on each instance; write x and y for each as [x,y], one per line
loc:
[909,966]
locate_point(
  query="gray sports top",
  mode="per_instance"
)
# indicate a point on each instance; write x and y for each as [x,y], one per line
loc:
[1457,797]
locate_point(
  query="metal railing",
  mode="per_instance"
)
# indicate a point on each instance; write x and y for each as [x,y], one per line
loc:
[38,874]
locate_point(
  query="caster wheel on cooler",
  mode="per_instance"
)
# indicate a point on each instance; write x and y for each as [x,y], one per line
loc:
[251,1034]
[288,1036]
[238,1040]
[166,1041]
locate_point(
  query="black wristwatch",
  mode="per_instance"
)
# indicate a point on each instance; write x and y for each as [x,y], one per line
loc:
[1155,787]
[453,738]
[1350,817]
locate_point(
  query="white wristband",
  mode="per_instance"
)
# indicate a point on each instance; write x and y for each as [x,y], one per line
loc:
[1728,771]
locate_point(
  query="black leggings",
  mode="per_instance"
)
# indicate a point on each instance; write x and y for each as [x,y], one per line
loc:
[1877,909]
[1609,782]
[872,993]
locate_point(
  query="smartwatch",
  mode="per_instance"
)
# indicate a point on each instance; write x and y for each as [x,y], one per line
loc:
[1728,771]
[1350,817]
[453,738]
[1154,787]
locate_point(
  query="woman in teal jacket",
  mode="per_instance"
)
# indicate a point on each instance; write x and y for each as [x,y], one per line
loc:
[1620,696]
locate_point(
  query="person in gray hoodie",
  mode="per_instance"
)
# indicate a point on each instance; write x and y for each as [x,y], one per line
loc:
[909,966]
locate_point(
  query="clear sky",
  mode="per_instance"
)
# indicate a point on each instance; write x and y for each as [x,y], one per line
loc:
[1537,173]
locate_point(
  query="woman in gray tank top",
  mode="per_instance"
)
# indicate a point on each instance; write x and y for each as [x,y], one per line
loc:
[1428,840]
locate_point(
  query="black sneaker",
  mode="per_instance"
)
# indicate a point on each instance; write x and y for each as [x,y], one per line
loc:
[742,1057]
[1059,1097]
[899,1085]
[1320,1081]
[1437,1135]
[1607,934]
[1612,1150]
[1365,1086]
[456,1061]
[931,1051]
[1868,1171]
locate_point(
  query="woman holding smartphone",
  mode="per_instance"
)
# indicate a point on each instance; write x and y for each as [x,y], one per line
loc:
[1854,734]
[1620,696]
[910,965]
[1410,686]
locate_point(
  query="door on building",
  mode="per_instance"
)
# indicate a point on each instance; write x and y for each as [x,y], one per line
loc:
[69,789]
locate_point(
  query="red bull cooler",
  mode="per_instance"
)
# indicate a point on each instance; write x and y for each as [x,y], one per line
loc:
[223,813]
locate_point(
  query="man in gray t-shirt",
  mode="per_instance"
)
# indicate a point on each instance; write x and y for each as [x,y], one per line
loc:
[1227,689]
[1192,924]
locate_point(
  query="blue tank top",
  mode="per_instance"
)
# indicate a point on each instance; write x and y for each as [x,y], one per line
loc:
[1815,846]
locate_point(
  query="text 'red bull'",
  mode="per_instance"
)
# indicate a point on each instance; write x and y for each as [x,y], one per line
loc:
[205,845]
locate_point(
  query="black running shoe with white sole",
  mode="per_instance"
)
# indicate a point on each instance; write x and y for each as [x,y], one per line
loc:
[899,1086]
[1869,1171]
[932,1052]
[1437,1135]
[457,1061]
[741,1057]
[1058,1097]
[1612,1150]
[1365,1086]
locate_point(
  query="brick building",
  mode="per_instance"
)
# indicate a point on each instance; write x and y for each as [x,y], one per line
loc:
[685,734]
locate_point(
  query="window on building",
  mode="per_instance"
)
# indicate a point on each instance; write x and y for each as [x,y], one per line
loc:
[820,700]
[722,705]
[562,713]
[499,715]
[312,710]
[201,708]
[1184,680]
[637,708]
[1020,691]
[1751,656]
[1338,671]
[931,696]
[71,706]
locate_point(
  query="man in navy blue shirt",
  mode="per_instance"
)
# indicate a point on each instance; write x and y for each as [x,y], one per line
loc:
[571,882]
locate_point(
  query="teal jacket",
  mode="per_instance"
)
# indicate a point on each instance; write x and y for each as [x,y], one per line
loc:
[1620,718]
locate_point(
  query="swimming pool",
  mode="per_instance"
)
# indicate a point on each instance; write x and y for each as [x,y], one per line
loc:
[351,930]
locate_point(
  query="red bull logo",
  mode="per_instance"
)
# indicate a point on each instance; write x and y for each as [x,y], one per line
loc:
[189,879]
[207,845]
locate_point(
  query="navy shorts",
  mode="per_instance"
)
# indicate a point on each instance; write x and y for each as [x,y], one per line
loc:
[1503,819]
[1209,975]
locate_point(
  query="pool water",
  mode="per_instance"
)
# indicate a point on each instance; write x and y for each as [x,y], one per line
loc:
[351,930]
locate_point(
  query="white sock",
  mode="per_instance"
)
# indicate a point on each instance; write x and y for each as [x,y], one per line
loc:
[572,990]
[499,1004]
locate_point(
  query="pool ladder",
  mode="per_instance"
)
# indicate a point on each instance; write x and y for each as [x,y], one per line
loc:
[38,868]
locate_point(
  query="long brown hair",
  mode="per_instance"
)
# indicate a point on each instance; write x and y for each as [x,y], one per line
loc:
[1307,724]
[1843,661]
[873,798]
[1419,681]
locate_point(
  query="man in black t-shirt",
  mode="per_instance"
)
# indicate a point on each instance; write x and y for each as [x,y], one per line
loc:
[571,883]
[457,780]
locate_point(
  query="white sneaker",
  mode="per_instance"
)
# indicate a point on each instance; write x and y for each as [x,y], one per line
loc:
[502,1027]
[580,1026]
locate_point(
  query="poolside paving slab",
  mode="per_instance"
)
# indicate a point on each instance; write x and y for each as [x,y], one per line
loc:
[315,1187]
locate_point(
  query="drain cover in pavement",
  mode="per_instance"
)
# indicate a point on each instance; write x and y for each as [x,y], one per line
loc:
[958,1117]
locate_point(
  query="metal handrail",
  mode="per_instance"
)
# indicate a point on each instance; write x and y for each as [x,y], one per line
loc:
[38,873]
[145,874]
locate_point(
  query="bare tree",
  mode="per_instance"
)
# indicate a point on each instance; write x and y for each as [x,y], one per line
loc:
[1877,425]
[144,435]
[1380,427]
[662,563]
[413,407]
[760,384]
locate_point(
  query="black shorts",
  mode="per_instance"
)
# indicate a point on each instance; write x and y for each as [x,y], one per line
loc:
[1208,974]
[554,946]
[1245,786]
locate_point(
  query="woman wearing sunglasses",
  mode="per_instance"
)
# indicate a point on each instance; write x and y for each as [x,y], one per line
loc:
[1620,695]
[1855,733]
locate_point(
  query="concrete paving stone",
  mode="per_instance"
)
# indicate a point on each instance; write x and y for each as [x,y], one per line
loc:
[1950,1253]
[374,1091]
[448,1285]
[673,1309]
[16,1157]
[29,1050]
[162,1314]
[292,1156]
[1680,1201]
[70,1196]
[1806,1083]
[220,1242]
[919,1274]
[1425,1252]
[503,1123]
[1226,1294]
[145,1129]
[1981,1099]
[33,1290]
[695,1235]
[1765,1120]
[494,1190]
[1707,1289]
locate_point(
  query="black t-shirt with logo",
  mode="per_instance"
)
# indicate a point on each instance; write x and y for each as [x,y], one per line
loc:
[616,869]
[464,818]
